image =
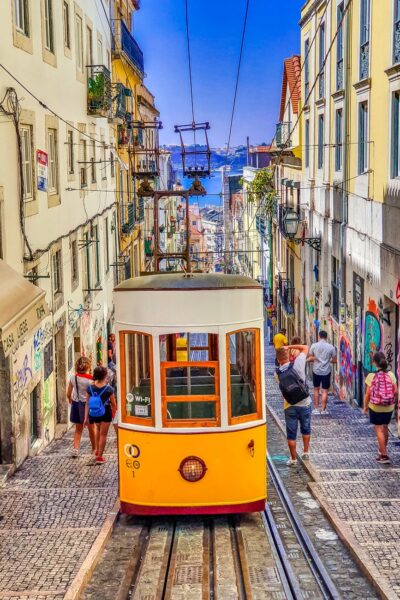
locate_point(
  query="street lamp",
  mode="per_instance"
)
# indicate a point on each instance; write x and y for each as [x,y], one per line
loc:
[290,223]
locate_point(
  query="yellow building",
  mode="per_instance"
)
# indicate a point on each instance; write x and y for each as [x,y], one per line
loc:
[351,169]
[286,254]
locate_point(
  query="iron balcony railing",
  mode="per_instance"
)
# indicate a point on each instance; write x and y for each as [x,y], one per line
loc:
[128,226]
[286,294]
[125,43]
[364,60]
[99,90]
[282,135]
[339,74]
[396,42]
[321,85]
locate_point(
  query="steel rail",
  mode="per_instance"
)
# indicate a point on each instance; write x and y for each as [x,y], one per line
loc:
[321,575]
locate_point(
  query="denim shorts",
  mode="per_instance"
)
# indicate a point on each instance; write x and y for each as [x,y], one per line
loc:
[295,415]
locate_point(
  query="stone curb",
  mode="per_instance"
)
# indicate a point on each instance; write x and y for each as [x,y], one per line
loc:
[85,572]
[356,550]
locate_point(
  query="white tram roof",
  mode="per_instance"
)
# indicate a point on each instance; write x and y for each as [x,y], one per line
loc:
[181,281]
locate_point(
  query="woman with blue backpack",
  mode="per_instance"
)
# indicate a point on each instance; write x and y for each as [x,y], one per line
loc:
[379,401]
[100,406]
[77,396]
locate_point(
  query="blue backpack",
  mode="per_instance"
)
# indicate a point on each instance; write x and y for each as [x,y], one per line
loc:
[95,404]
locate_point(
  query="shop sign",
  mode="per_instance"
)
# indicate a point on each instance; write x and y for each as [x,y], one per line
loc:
[42,170]
[13,334]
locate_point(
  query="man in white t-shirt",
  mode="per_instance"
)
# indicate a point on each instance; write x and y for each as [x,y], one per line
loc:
[322,355]
[299,413]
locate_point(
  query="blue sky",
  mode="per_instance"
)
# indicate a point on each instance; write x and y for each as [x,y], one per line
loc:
[215,26]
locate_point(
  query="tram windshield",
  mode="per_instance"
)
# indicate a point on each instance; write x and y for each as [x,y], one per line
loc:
[244,375]
[136,378]
[190,379]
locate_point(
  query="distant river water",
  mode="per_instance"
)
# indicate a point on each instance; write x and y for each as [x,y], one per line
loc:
[212,184]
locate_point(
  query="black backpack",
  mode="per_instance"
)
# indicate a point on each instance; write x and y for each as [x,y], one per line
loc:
[293,388]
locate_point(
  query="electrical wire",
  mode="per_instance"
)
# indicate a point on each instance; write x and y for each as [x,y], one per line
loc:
[189,59]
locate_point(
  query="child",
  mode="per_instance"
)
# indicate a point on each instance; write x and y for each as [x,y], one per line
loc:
[105,393]
[77,396]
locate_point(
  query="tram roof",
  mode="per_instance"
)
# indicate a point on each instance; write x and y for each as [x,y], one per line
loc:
[180,281]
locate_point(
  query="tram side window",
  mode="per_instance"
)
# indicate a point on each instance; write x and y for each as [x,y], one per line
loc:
[190,379]
[136,375]
[244,374]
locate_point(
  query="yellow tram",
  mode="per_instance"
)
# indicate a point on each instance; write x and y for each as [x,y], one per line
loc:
[192,428]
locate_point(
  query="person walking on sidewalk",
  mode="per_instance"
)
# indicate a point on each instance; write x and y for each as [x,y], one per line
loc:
[99,408]
[77,395]
[279,341]
[297,401]
[379,400]
[322,355]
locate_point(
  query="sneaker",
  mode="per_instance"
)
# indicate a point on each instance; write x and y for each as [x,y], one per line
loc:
[292,462]
[100,460]
[325,412]
[74,452]
[383,460]
[316,411]
[305,456]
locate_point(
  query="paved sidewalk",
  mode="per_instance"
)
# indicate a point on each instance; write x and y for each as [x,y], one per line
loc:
[51,514]
[361,497]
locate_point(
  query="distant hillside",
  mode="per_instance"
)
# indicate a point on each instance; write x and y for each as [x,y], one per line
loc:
[236,158]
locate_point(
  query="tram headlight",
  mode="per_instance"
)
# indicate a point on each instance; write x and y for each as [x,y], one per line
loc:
[192,468]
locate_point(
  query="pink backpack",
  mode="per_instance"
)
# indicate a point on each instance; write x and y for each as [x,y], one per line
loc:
[382,389]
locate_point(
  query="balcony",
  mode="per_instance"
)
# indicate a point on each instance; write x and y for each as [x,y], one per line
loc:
[282,135]
[119,109]
[99,90]
[124,43]
[286,294]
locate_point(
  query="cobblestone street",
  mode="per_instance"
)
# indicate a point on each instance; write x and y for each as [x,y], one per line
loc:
[361,497]
[51,513]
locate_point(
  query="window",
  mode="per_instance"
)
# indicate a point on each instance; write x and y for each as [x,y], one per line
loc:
[67,32]
[395,142]
[108,60]
[70,151]
[362,137]
[83,163]
[339,140]
[57,273]
[74,262]
[136,378]
[306,70]
[89,47]
[396,32]
[107,244]
[27,162]
[100,52]
[364,38]
[86,263]
[103,161]
[96,242]
[112,164]
[53,161]
[79,42]
[339,47]
[93,162]
[21,16]
[244,375]
[321,62]
[335,289]
[320,141]
[48,25]
[307,140]
[190,380]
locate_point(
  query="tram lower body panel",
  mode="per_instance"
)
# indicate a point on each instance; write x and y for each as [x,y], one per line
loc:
[196,473]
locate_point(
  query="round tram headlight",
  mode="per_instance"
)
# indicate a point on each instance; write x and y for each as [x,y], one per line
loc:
[192,468]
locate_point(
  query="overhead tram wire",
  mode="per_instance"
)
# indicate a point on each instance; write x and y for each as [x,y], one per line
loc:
[311,89]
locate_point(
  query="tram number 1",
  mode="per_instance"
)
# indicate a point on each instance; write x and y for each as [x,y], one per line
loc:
[133,465]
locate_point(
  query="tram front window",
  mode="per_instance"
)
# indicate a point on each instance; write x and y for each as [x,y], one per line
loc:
[190,379]
[136,378]
[244,375]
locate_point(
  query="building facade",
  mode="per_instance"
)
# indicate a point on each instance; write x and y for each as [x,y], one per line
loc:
[57,208]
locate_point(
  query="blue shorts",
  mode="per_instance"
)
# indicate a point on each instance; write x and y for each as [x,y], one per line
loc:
[295,415]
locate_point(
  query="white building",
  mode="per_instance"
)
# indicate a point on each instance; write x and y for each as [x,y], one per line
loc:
[58,223]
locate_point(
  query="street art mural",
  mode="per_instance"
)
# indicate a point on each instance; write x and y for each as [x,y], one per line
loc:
[373,335]
[345,367]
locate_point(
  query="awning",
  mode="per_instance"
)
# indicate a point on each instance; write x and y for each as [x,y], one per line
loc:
[22,307]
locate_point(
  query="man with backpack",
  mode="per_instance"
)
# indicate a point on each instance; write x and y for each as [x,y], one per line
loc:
[380,398]
[297,401]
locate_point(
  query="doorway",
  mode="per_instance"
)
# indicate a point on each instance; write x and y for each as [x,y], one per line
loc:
[358,301]
[35,407]
[61,376]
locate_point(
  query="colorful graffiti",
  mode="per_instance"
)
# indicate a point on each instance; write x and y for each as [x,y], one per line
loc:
[345,368]
[40,339]
[373,335]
